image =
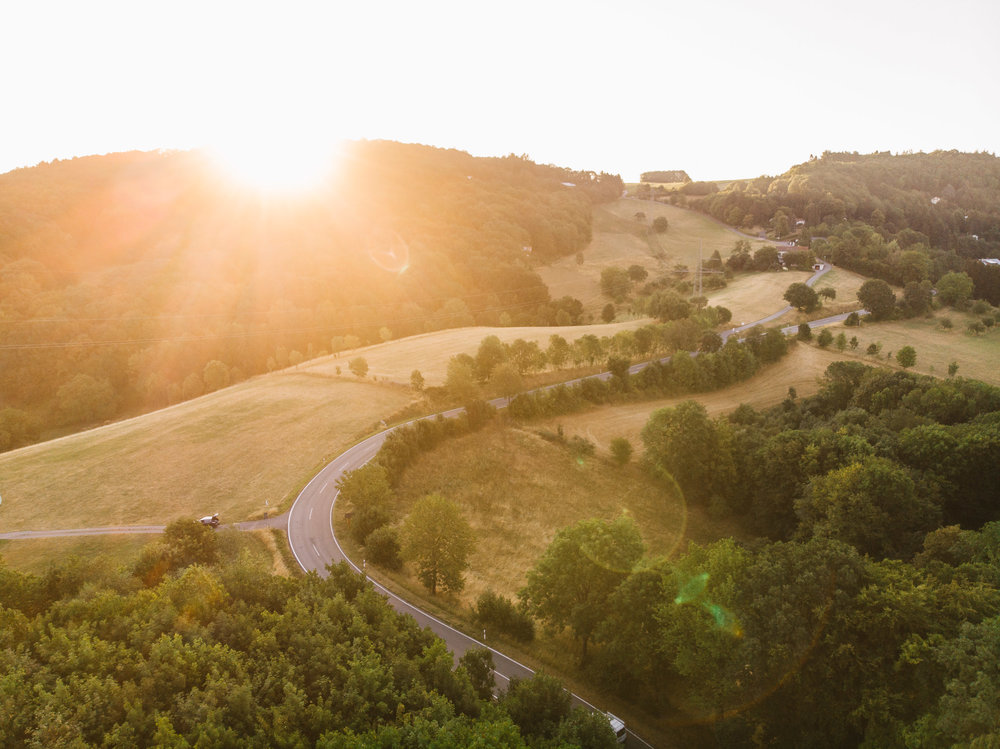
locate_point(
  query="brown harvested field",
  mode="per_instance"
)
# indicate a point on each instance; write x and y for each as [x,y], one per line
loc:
[619,239]
[801,368]
[430,352]
[242,452]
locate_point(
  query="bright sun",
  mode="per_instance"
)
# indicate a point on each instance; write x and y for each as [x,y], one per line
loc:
[272,162]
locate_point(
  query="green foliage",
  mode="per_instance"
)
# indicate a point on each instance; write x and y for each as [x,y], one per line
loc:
[660,225]
[460,381]
[804,332]
[615,283]
[499,614]
[537,705]
[683,445]
[906,357]
[234,657]
[438,540]
[876,297]
[358,366]
[825,338]
[621,450]
[505,380]
[382,547]
[85,399]
[416,380]
[802,296]
[570,584]
[954,289]
[873,505]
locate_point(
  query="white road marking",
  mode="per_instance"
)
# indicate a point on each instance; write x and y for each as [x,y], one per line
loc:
[311,512]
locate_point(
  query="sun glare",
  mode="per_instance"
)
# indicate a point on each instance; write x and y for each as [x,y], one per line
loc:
[275,164]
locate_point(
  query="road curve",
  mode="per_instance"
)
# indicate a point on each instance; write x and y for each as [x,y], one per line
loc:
[314,544]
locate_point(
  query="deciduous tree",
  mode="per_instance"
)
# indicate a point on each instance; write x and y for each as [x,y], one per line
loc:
[438,540]
[571,583]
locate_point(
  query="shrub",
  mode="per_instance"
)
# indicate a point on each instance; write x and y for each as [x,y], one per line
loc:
[498,613]
[580,447]
[366,520]
[621,450]
[383,548]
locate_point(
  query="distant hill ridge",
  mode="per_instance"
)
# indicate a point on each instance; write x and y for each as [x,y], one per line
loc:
[123,277]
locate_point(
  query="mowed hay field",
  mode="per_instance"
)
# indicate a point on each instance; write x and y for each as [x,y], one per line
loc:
[621,240]
[978,356]
[802,368]
[242,452]
[395,361]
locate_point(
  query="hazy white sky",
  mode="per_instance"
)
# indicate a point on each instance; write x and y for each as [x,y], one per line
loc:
[721,88]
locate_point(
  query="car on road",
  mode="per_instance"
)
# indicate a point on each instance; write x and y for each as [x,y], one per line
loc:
[210,520]
[618,726]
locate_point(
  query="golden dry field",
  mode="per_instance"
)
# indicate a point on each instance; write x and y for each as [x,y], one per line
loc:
[242,452]
[430,352]
[977,356]
[517,489]
[802,368]
[619,239]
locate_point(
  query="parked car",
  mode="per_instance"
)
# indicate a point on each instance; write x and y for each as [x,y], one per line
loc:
[212,520]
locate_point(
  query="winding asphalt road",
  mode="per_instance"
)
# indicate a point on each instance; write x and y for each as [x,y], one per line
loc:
[309,524]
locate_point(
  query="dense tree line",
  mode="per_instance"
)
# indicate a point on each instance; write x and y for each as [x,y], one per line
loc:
[229,655]
[135,280]
[904,218]
[865,612]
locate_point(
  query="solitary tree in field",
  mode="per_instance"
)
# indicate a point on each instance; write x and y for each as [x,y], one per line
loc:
[438,540]
[802,297]
[906,357]
[952,368]
[359,366]
[660,224]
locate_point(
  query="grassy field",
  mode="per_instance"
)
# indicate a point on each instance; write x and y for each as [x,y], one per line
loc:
[802,369]
[756,295]
[513,484]
[430,352]
[621,240]
[242,452]
[936,348]
[35,555]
